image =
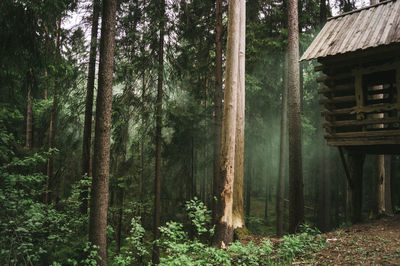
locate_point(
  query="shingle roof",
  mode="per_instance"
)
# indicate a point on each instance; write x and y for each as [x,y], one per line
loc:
[372,26]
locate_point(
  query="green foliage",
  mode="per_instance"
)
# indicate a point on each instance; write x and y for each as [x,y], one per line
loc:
[199,215]
[134,248]
[308,241]
[179,249]
[251,254]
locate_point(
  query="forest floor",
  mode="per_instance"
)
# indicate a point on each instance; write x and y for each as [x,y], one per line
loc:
[372,242]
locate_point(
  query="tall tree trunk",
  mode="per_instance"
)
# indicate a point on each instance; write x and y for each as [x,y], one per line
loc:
[238,204]
[28,137]
[52,129]
[217,98]
[296,197]
[157,181]
[224,228]
[87,128]
[280,194]
[101,158]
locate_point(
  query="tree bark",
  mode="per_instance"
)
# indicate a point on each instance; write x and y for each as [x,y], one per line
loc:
[356,162]
[296,198]
[87,128]
[280,194]
[238,204]
[157,181]
[217,98]
[101,158]
[28,137]
[224,228]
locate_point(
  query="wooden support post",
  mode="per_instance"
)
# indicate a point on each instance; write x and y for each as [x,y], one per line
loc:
[356,161]
[359,94]
[346,168]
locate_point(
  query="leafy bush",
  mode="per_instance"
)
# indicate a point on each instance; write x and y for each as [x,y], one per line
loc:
[33,232]
[134,248]
[308,241]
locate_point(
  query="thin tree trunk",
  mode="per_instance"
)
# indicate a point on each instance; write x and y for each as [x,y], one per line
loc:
[87,128]
[280,194]
[296,197]
[28,141]
[217,98]
[52,129]
[224,228]
[238,204]
[157,181]
[101,158]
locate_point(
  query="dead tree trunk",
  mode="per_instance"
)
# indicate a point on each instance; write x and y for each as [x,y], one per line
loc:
[223,212]
[238,204]
[101,158]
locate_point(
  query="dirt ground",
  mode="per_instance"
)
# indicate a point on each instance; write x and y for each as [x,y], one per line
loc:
[372,242]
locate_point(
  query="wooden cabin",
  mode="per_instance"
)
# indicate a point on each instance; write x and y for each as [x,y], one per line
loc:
[359,56]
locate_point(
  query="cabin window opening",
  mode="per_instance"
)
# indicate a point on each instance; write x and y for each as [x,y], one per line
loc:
[380,92]
[379,88]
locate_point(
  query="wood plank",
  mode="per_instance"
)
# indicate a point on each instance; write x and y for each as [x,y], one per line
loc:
[360,134]
[383,91]
[362,142]
[365,122]
[378,101]
[377,108]
[341,99]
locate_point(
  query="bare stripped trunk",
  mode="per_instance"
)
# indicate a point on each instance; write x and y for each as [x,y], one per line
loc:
[238,204]
[87,128]
[101,154]
[296,198]
[28,137]
[49,170]
[217,97]
[157,181]
[280,194]
[224,227]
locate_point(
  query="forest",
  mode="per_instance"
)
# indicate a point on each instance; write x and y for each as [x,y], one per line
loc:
[193,132]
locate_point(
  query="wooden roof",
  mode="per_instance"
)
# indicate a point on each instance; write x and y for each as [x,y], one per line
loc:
[372,26]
